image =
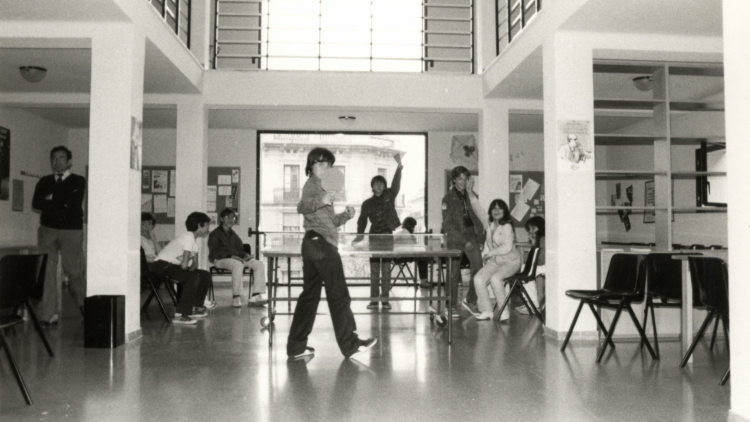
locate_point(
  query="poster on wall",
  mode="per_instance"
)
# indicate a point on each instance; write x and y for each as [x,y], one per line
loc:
[4,163]
[464,152]
[136,143]
[574,145]
[649,216]
[159,181]
[528,199]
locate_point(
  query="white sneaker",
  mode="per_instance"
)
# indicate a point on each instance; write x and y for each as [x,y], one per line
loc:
[309,351]
[484,316]
[256,300]
[364,347]
[186,320]
[209,304]
[236,302]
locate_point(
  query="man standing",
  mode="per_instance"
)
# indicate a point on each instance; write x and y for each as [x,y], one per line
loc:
[380,209]
[465,232]
[226,252]
[60,199]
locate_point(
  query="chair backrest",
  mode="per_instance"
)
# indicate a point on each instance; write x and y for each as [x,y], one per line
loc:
[627,274]
[529,268]
[144,265]
[247,248]
[711,277]
[664,276]
[21,277]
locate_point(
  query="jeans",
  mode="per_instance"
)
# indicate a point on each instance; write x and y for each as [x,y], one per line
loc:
[493,273]
[195,284]
[475,260]
[237,267]
[69,243]
[321,264]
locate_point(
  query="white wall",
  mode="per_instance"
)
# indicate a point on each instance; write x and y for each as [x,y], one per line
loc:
[31,139]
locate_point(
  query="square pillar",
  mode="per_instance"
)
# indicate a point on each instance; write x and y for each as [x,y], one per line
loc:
[569,188]
[494,147]
[192,160]
[113,265]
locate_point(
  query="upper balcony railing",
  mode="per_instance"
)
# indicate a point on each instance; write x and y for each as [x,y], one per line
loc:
[512,17]
[176,14]
[344,35]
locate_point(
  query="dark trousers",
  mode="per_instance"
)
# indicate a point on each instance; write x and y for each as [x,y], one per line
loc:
[321,264]
[380,277]
[475,260]
[194,284]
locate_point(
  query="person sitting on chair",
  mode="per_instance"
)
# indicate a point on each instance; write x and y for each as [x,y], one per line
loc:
[149,242]
[500,256]
[226,252]
[407,227]
[535,228]
[179,262]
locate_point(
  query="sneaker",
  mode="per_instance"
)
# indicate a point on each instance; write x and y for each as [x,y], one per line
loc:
[364,346]
[209,304]
[256,300]
[199,312]
[52,321]
[484,316]
[505,316]
[471,307]
[309,351]
[372,305]
[425,284]
[387,305]
[525,311]
[183,320]
[236,302]
[454,313]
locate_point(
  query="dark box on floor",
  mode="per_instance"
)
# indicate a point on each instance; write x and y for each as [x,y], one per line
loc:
[104,322]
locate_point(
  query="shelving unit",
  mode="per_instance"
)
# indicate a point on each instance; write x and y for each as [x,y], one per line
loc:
[654,123]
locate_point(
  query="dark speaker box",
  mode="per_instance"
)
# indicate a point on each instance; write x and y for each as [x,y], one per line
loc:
[104,322]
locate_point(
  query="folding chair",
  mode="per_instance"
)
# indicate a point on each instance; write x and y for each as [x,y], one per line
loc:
[220,271]
[625,284]
[7,322]
[711,277]
[153,282]
[517,281]
[403,268]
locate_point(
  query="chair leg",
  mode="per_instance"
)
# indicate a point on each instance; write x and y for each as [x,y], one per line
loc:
[645,316]
[656,335]
[151,295]
[696,339]
[211,295]
[641,331]
[725,325]
[155,293]
[600,323]
[713,336]
[170,290]
[14,366]
[529,302]
[507,299]
[725,378]
[610,333]
[38,328]
[572,325]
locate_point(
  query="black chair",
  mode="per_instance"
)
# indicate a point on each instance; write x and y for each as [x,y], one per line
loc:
[21,279]
[152,282]
[711,278]
[403,266]
[625,284]
[517,281]
[7,322]
[664,283]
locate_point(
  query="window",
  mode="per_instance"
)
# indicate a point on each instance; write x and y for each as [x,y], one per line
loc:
[290,222]
[383,172]
[711,189]
[291,183]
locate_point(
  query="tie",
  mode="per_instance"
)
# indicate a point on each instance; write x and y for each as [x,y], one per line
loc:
[59,179]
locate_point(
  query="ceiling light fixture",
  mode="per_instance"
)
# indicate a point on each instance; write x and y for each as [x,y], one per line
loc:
[643,83]
[347,120]
[33,73]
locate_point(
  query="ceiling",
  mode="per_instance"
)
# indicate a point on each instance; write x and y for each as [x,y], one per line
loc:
[50,10]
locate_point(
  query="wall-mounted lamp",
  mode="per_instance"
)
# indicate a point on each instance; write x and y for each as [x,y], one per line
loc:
[33,73]
[643,83]
[347,120]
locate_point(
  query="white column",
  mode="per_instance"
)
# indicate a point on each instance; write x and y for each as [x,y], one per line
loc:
[113,268]
[737,92]
[570,192]
[485,17]
[493,151]
[192,160]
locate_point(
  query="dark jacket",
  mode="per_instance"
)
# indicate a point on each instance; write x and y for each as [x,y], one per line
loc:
[224,245]
[381,210]
[454,207]
[65,210]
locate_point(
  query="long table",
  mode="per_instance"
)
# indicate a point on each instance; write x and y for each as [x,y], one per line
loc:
[433,251]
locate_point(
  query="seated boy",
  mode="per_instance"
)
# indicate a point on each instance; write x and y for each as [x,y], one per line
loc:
[226,252]
[149,242]
[179,261]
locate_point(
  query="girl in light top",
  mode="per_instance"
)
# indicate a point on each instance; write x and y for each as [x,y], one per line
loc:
[500,256]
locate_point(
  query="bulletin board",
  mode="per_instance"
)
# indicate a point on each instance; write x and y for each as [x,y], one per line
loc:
[222,191]
[158,184]
[526,196]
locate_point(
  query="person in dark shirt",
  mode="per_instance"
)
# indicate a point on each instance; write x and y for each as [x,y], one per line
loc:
[380,210]
[227,252]
[59,197]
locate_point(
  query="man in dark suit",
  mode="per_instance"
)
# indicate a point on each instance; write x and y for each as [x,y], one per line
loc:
[59,197]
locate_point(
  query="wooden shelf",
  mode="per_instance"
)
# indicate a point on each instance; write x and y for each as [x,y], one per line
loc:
[698,139]
[696,106]
[620,104]
[624,139]
[701,209]
[635,208]
[628,174]
[698,173]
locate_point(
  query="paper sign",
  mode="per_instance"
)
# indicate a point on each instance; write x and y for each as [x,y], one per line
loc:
[235,176]
[170,207]
[172,182]
[214,217]
[225,190]
[160,204]
[519,211]
[146,200]
[530,189]
[211,198]
[516,182]
[229,202]
[225,179]
[159,181]
[146,179]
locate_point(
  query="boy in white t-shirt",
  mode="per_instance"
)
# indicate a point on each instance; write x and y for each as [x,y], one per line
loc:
[179,261]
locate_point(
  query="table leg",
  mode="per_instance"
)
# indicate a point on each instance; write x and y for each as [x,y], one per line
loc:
[686,313]
[269,318]
[449,288]
[289,288]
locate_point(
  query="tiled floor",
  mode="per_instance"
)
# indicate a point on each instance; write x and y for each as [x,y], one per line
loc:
[223,370]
